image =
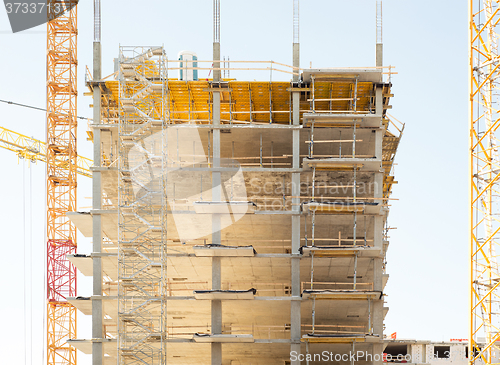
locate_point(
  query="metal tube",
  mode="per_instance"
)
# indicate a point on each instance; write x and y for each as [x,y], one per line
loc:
[355,269]
[365,231]
[313,182]
[313,93]
[261,150]
[314,315]
[370,327]
[340,144]
[353,350]
[311,150]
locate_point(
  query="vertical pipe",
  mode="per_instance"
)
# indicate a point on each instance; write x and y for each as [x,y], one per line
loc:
[355,269]
[313,96]
[355,206]
[311,154]
[353,348]
[370,328]
[340,143]
[354,140]
[355,102]
[261,165]
[365,231]
[313,183]
[314,315]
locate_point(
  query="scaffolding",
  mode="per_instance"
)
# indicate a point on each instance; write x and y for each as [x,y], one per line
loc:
[142,270]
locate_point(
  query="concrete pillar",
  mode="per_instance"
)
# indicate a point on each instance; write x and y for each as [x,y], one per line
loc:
[216,310]
[296,60]
[97,311]
[378,310]
[379,55]
[295,318]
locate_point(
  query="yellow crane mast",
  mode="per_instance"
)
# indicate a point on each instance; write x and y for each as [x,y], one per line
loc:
[484,164]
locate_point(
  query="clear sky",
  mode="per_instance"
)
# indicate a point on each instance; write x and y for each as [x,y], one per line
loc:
[427,42]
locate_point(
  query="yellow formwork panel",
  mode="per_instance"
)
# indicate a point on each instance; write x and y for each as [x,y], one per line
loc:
[240,96]
[281,102]
[255,101]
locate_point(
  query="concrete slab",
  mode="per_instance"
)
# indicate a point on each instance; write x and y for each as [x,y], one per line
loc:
[233,207]
[341,294]
[360,74]
[85,346]
[209,338]
[224,251]
[84,264]
[224,294]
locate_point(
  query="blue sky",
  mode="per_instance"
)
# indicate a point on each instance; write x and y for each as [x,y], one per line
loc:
[425,40]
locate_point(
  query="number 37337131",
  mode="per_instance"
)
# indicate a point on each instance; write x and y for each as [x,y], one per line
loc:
[36,8]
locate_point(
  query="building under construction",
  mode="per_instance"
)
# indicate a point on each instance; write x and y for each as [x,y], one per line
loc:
[236,222]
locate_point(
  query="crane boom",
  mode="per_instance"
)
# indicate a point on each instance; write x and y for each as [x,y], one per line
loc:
[35,150]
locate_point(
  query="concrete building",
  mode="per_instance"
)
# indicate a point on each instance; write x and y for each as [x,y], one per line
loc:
[240,222]
[454,351]
[237,222]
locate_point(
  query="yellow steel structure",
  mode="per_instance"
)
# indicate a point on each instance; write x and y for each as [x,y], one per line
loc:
[257,101]
[35,150]
[484,117]
[61,182]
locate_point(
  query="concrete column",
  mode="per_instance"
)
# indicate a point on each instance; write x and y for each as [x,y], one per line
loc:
[379,136]
[379,55]
[216,310]
[97,311]
[377,307]
[296,60]
[379,102]
[295,318]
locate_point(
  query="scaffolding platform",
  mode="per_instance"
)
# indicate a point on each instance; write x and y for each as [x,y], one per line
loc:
[342,164]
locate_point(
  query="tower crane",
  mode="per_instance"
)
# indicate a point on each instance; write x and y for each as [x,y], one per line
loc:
[61,181]
[35,150]
[484,168]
